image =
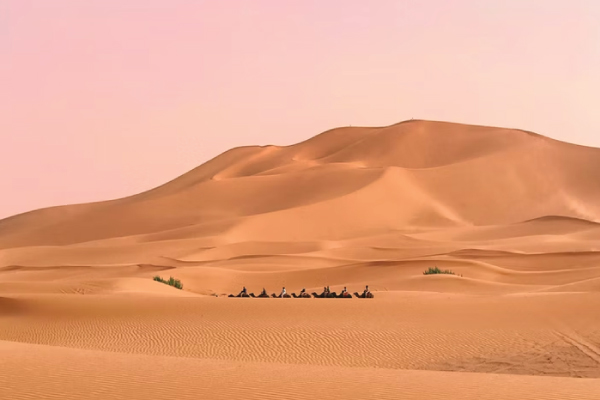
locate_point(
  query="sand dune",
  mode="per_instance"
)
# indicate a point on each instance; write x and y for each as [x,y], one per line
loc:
[420,173]
[513,214]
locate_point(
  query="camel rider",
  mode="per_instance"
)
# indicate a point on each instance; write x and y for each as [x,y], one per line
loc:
[303,291]
[344,291]
[366,290]
[244,291]
[264,291]
[282,292]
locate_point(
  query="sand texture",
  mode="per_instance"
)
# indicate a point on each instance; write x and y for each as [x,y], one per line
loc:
[513,214]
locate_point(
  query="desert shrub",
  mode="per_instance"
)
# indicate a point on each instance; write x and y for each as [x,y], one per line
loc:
[436,270]
[176,283]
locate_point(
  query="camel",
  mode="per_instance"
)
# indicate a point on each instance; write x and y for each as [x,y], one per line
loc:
[278,296]
[324,295]
[241,295]
[334,295]
[301,296]
[367,295]
[261,295]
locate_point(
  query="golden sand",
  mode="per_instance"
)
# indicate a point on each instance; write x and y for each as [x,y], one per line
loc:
[514,214]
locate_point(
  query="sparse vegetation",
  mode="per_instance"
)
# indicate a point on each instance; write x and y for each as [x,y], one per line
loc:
[176,283]
[436,270]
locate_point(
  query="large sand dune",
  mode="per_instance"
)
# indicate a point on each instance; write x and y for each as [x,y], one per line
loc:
[514,214]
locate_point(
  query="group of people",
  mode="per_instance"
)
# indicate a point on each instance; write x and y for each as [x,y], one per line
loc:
[325,290]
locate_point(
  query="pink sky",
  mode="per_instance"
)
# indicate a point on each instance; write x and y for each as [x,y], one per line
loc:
[106,98]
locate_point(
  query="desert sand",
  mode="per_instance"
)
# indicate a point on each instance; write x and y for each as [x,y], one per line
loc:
[512,213]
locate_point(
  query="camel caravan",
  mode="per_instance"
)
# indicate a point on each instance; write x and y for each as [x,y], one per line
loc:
[344,294]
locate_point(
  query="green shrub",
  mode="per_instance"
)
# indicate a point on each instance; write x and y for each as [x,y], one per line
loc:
[436,270]
[176,283]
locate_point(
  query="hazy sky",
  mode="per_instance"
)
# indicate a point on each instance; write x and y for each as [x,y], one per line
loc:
[104,98]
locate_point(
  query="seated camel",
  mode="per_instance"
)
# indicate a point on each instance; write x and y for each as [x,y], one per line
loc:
[303,295]
[239,295]
[324,295]
[363,295]
[279,296]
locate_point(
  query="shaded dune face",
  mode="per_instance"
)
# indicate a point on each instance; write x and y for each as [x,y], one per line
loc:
[348,206]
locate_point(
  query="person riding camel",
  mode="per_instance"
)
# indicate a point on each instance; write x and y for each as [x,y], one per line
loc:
[282,292]
[344,291]
[303,291]
[264,292]
[244,291]
[366,290]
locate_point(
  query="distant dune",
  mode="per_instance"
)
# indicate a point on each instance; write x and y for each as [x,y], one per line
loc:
[514,215]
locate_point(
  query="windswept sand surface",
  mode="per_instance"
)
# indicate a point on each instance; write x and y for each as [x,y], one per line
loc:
[514,214]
